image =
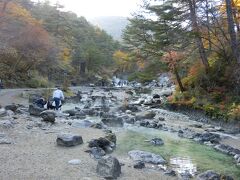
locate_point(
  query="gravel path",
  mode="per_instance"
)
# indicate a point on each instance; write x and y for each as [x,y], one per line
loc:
[35,156]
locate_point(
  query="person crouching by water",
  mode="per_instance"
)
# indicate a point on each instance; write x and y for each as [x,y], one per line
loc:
[40,102]
[58,97]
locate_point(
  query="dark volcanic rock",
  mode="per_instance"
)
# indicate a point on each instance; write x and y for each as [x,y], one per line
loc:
[107,143]
[34,110]
[130,107]
[211,175]
[48,116]
[100,142]
[207,137]
[109,168]
[69,140]
[139,165]
[157,142]
[186,175]
[208,175]
[156,96]
[226,149]
[12,107]
[161,119]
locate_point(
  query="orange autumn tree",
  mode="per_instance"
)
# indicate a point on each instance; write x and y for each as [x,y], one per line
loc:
[126,62]
[172,58]
[25,43]
[122,60]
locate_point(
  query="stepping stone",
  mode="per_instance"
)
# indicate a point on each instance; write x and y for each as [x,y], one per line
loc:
[69,140]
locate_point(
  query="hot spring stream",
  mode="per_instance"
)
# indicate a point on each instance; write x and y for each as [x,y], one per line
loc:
[185,156]
[182,155]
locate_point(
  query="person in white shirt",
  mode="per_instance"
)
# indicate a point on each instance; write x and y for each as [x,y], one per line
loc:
[58,97]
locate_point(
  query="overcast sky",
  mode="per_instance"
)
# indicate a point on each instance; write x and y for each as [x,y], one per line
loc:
[94,8]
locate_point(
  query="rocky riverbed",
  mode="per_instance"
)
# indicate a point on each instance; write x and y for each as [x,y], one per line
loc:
[111,133]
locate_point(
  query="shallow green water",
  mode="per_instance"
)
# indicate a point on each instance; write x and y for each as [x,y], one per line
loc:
[205,158]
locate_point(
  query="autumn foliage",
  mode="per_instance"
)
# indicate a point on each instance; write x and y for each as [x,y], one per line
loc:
[41,45]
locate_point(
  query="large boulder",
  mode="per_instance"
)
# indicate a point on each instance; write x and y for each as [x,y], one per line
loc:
[34,110]
[109,167]
[48,116]
[100,142]
[69,140]
[146,157]
[113,122]
[103,143]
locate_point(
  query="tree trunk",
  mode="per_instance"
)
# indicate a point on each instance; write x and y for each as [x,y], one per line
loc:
[208,26]
[82,68]
[231,30]
[196,30]
[178,79]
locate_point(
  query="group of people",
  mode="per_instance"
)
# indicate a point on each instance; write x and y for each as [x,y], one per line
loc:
[55,103]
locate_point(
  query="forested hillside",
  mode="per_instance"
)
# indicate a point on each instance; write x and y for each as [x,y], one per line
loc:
[41,44]
[198,41]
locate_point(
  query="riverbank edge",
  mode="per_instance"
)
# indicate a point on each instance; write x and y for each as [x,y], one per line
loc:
[231,127]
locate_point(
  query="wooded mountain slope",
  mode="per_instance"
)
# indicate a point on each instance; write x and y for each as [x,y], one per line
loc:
[41,44]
